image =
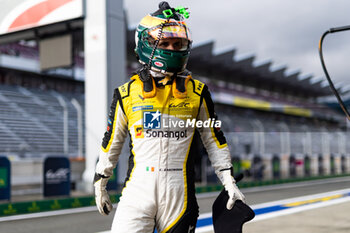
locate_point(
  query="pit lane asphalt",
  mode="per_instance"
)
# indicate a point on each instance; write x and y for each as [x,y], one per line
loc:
[92,221]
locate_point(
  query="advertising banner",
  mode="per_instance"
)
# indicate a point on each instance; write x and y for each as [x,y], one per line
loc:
[5,180]
[16,15]
[56,176]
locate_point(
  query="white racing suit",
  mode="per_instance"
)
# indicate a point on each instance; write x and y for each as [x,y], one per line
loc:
[159,189]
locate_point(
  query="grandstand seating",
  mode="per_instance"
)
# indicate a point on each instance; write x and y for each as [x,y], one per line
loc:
[317,109]
[244,128]
[18,49]
[31,120]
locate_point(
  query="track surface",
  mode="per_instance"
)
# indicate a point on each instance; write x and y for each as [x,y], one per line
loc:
[326,219]
[331,219]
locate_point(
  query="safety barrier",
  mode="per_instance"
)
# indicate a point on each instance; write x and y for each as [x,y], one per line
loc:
[5,179]
[275,166]
[279,166]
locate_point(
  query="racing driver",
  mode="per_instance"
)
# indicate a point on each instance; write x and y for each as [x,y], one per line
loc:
[162,109]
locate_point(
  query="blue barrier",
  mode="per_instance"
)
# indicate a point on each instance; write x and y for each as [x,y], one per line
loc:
[56,176]
[5,178]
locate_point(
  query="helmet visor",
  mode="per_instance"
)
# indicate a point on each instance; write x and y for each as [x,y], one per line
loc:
[174,36]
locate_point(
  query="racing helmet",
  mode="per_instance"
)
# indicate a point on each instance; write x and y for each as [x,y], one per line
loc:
[165,23]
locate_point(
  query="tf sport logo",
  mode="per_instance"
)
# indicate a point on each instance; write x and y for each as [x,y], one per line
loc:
[152,120]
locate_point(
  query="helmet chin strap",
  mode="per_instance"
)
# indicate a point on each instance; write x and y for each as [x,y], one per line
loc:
[159,37]
[157,74]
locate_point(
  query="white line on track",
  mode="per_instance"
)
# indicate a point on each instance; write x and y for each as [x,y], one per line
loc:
[301,198]
[205,229]
[300,209]
[48,214]
[280,186]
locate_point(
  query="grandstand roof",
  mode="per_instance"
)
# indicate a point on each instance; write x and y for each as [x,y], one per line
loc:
[227,67]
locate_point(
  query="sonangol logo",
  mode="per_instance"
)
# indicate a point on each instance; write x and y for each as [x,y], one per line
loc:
[152,120]
[138,131]
[159,64]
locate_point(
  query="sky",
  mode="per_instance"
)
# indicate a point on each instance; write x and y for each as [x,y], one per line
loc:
[285,32]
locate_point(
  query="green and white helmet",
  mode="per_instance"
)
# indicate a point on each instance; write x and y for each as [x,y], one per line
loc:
[165,23]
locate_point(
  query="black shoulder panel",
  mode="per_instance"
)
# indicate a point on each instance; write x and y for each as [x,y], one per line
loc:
[111,116]
[212,114]
[126,89]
